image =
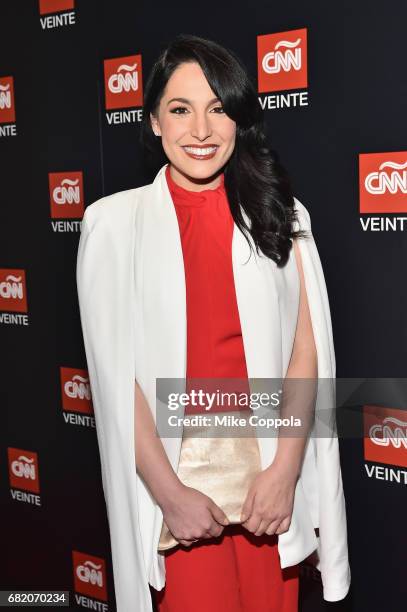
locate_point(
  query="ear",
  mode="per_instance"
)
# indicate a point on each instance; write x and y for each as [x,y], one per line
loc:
[155,125]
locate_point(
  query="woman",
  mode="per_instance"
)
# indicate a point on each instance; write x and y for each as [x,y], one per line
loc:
[150,263]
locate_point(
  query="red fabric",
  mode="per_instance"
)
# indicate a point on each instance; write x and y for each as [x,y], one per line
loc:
[238,570]
[214,337]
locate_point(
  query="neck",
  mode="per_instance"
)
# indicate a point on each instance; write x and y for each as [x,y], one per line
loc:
[193,184]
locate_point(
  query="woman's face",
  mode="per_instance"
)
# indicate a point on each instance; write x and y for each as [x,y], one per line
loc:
[197,135]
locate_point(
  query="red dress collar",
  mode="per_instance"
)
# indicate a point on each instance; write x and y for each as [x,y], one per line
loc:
[187,195]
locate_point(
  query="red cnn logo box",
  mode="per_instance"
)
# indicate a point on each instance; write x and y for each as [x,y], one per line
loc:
[123,82]
[75,390]
[13,291]
[89,575]
[55,6]
[385,435]
[23,470]
[7,106]
[383,182]
[66,195]
[282,61]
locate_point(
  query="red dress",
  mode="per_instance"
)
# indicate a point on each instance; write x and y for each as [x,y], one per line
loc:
[214,336]
[237,569]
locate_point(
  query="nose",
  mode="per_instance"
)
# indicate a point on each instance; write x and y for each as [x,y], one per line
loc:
[201,126]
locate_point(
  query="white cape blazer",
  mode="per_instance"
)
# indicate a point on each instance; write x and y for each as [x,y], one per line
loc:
[131,290]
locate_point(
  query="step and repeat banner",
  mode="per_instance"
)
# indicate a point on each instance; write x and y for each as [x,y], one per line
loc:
[331,82]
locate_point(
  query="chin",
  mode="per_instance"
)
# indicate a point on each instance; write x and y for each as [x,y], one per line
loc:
[200,169]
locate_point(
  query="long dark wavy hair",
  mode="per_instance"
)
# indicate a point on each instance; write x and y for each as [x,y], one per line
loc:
[254,177]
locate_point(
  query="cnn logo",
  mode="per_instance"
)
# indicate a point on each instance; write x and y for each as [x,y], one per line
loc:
[123,82]
[282,61]
[75,390]
[55,6]
[66,195]
[13,294]
[23,470]
[7,107]
[383,182]
[385,435]
[89,575]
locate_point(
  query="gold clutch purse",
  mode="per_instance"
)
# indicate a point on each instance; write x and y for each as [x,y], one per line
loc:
[221,467]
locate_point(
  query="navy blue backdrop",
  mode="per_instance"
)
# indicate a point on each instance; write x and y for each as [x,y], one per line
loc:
[63,145]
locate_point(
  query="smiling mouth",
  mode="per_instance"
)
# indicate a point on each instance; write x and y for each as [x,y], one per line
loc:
[201,152]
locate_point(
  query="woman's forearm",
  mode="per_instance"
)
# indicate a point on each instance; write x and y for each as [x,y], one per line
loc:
[151,459]
[300,386]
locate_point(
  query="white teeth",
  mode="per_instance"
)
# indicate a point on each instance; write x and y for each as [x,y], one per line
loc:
[202,152]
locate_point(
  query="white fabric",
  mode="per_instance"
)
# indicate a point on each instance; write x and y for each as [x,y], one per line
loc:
[131,289]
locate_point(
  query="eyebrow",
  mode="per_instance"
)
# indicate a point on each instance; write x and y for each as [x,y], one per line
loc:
[186,101]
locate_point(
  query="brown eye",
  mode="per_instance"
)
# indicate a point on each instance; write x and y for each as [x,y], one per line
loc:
[178,108]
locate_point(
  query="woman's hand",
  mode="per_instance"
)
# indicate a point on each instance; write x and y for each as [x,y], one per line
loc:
[191,515]
[269,503]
